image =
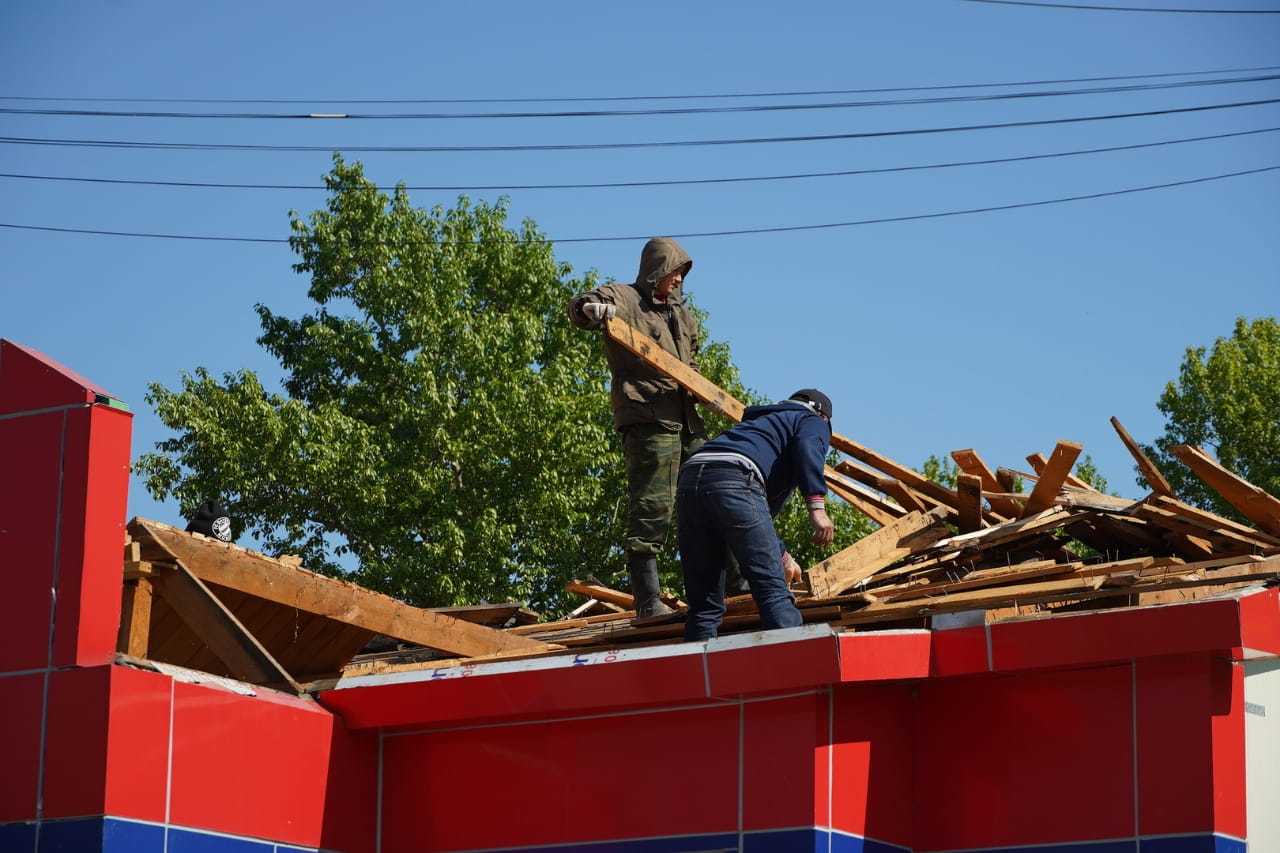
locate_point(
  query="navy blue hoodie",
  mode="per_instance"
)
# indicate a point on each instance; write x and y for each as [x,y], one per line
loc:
[787,441]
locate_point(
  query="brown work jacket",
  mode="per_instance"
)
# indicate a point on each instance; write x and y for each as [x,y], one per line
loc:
[640,394]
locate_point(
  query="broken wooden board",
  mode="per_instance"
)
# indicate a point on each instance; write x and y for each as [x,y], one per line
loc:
[876,551]
[261,577]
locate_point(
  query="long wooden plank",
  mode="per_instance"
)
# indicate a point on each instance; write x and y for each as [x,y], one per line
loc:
[1150,472]
[1212,521]
[1250,501]
[874,552]
[643,346]
[907,476]
[261,576]
[211,621]
[1051,479]
[863,500]
[1039,463]
[968,460]
[909,500]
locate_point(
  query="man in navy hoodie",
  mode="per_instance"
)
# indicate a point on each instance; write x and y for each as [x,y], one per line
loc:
[728,493]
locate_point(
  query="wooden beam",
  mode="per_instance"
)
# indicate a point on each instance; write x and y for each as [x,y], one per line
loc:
[261,576]
[1008,481]
[601,593]
[874,552]
[1055,473]
[1212,522]
[909,500]
[135,618]
[1150,472]
[1250,501]
[969,491]
[1039,463]
[211,621]
[909,477]
[970,462]
[865,501]
[645,348]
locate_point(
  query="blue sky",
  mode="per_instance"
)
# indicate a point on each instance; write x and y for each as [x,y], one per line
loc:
[1002,331]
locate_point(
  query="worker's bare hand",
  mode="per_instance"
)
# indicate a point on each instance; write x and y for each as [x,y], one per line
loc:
[823,530]
[790,568]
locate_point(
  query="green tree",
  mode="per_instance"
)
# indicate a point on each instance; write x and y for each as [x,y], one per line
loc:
[1227,400]
[442,426]
[941,469]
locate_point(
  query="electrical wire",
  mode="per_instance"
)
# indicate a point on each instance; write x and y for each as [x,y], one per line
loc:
[776,229]
[672,182]
[611,146]
[664,111]
[1127,8]
[617,98]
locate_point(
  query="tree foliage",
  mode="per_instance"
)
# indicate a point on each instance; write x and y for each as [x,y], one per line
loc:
[442,426]
[1226,399]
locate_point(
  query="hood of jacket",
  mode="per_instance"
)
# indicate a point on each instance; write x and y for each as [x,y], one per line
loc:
[660,257]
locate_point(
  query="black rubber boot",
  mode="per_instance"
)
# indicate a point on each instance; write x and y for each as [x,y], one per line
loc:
[643,569]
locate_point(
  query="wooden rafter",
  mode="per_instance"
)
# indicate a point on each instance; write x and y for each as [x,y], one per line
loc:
[1250,501]
[1150,472]
[260,576]
[211,621]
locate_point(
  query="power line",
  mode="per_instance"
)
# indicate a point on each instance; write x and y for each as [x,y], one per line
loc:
[665,182]
[617,98]
[664,111]
[1128,8]
[776,229]
[602,146]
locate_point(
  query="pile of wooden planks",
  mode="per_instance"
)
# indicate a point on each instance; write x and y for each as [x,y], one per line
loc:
[1001,543]
[989,544]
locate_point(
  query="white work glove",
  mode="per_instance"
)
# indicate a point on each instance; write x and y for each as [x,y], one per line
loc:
[597,311]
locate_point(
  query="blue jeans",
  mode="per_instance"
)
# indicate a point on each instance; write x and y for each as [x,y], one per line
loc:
[722,510]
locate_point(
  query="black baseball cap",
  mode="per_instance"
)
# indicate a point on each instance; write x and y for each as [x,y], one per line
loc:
[820,402]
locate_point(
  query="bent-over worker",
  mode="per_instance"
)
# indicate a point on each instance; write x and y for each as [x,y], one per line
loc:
[729,492]
[656,417]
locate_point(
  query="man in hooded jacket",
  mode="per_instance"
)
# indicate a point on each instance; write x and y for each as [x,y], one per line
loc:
[660,426]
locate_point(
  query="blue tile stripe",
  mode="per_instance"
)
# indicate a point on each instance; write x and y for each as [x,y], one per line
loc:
[119,835]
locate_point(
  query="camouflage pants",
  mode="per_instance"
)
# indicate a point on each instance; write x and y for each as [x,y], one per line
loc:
[653,454]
